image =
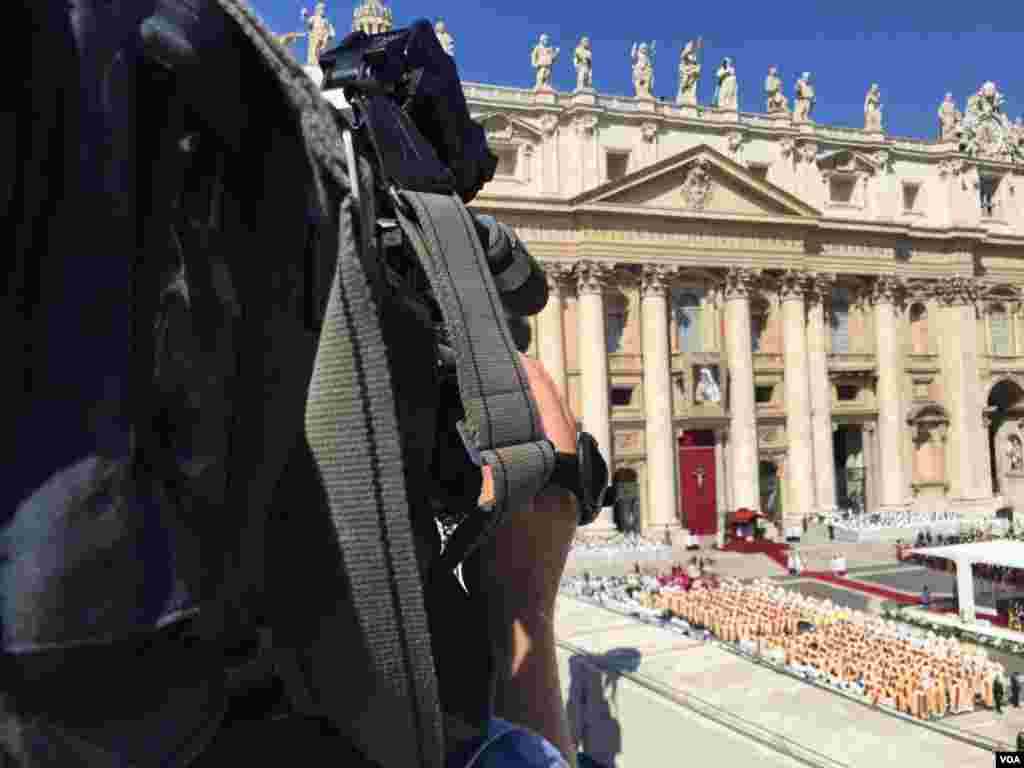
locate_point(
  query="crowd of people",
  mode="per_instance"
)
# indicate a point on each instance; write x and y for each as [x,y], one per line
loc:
[886,663]
[910,518]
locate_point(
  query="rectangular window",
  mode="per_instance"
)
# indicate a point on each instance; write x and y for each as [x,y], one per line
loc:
[841,189]
[840,319]
[756,329]
[508,161]
[615,327]
[987,188]
[763,393]
[911,193]
[847,392]
[618,165]
[1000,333]
[622,396]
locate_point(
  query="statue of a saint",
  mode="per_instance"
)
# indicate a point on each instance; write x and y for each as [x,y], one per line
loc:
[803,103]
[444,37]
[949,119]
[321,32]
[1015,454]
[707,388]
[583,60]
[689,73]
[543,59]
[776,99]
[873,109]
[643,70]
[726,96]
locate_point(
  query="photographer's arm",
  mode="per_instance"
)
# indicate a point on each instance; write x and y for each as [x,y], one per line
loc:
[519,575]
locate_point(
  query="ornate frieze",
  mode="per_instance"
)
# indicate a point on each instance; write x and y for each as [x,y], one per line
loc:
[593,276]
[656,279]
[739,283]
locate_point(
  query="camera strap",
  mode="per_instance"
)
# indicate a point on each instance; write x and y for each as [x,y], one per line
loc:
[500,410]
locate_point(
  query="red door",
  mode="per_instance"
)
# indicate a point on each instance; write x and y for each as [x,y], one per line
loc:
[697,481]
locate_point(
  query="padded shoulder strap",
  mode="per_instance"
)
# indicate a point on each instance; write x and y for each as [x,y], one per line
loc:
[500,409]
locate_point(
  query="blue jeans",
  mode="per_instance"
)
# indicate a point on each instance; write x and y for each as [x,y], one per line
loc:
[505,745]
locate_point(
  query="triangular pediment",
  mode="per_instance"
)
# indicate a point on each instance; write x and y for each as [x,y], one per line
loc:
[699,179]
[500,126]
[850,161]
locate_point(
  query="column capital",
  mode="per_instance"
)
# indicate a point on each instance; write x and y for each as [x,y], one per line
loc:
[959,291]
[886,289]
[592,276]
[558,273]
[819,286]
[656,279]
[792,285]
[739,283]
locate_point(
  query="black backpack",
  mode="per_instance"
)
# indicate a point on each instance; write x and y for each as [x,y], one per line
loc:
[218,448]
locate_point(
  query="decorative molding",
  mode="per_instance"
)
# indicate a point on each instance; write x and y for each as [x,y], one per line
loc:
[740,283]
[819,287]
[649,132]
[953,166]
[807,151]
[787,147]
[735,141]
[548,124]
[593,277]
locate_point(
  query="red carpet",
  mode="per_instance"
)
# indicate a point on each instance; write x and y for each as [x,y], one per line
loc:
[888,594]
[773,549]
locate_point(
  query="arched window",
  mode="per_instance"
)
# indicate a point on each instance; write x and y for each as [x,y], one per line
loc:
[840,321]
[615,323]
[999,329]
[919,343]
[687,314]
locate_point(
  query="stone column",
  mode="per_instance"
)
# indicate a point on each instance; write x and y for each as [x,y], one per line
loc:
[739,283]
[799,505]
[660,437]
[721,482]
[551,325]
[821,394]
[892,477]
[959,296]
[591,279]
[870,467]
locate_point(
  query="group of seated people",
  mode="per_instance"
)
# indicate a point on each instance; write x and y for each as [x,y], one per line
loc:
[902,519]
[925,677]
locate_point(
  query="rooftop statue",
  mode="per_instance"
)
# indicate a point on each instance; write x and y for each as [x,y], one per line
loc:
[643,70]
[949,119]
[543,59]
[804,101]
[689,73]
[583,60]
[985,130]
[321,32]
[444,37]
[776,99]
[726,96]
[873,109]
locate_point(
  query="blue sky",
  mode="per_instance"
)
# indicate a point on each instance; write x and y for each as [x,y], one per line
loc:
[916,50]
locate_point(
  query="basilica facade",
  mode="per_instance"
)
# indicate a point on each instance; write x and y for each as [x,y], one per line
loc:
[756,311]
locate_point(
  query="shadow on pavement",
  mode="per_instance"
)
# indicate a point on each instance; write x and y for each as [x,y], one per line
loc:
[593,707]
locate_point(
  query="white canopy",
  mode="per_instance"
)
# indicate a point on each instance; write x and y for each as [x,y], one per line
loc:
[1009,554]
